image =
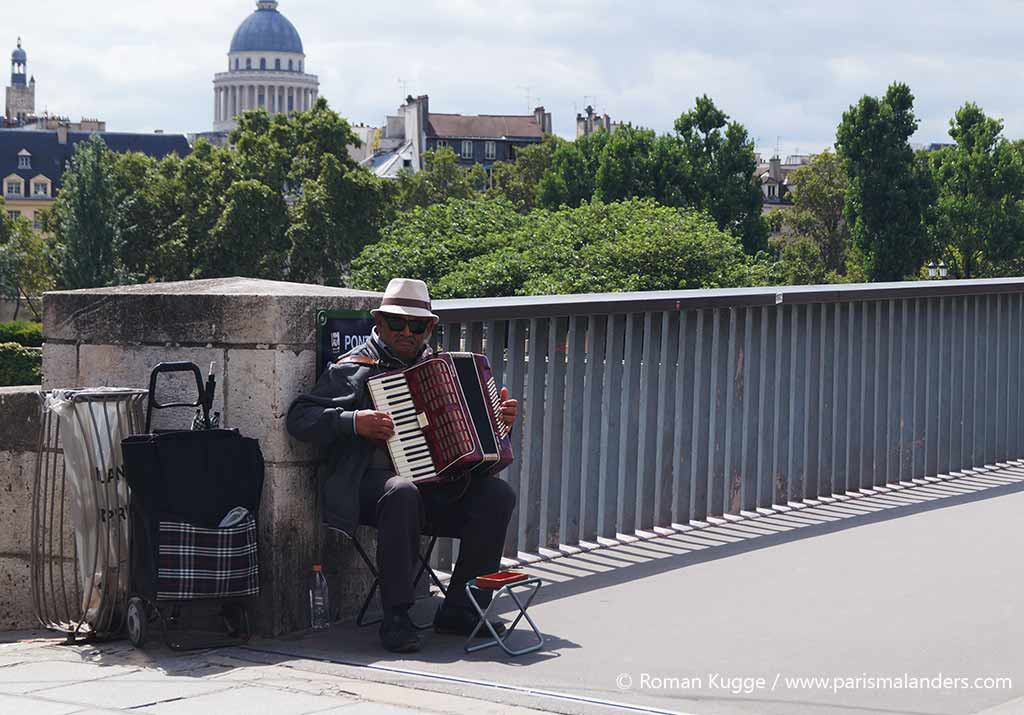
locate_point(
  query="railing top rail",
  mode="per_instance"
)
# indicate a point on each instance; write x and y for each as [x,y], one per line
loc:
[465,309]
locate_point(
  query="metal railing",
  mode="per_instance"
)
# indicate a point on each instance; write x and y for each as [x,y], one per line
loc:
[648,410]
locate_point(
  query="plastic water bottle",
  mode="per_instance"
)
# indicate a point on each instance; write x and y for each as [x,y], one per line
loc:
[319,608]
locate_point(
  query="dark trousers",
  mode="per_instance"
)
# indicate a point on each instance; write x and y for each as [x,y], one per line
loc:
[477,515]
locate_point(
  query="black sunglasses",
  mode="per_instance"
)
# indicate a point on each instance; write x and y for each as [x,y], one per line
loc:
[417,326]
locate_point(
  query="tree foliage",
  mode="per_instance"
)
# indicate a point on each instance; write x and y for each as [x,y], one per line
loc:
[819,190]
[89,217]
[977,220]
[485,248]
[26,259]
[441,178]
[888,188]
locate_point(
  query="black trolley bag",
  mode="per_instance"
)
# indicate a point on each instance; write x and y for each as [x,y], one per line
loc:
[182,484]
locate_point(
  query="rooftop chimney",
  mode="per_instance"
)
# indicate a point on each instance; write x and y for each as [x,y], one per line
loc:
[62,133]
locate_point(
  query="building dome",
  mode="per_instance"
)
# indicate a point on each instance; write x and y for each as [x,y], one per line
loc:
[19,54]
[266,30]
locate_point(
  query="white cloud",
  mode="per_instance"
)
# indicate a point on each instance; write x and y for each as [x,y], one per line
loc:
[786,71]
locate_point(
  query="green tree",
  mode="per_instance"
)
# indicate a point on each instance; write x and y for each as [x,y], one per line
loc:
[801,262]
[888,191]
[430,242]
[339,213]
[25,261]
[471,248]
[88,217]
[720,164]
[441,178]
[818,192]
[249,237]
[573,174]
[977,220]
[519,180]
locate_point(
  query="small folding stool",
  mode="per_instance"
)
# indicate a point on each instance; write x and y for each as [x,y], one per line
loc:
[424,560]
[501,583]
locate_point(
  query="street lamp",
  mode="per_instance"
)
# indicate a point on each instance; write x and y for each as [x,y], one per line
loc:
[943,270]
[931,269]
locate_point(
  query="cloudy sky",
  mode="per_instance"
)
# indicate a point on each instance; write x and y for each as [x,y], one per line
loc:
[787,70]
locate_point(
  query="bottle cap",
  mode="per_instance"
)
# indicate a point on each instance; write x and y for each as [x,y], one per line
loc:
[316,567]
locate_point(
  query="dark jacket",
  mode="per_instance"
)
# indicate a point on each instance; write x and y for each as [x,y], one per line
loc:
[326,416]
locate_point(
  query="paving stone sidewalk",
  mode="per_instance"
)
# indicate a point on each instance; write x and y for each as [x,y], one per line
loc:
[38,675]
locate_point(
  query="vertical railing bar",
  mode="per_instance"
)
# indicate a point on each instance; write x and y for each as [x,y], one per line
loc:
[873,339]
[549,523]
[666,391]
[892,421]
[840,400]
[516,383]
[647,461]
[630,424]
[682,437]
[854,392]
[881,411]
[703,369]
[719,371]
[920,364]
[1013,334]
[736,401]
[798,402]
[751,405]
[780,485]
[943,397]
[956,380]
[612,410]
[767,399]
[533,438]
[931,389]
[816,400]
[572,478]
[908,358]
[998,383]
[971,315]
[593,421]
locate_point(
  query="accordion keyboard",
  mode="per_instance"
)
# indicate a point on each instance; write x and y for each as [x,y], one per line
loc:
[410,453]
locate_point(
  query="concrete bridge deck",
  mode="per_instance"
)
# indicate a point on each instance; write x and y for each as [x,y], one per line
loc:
[937,591]
[923,580]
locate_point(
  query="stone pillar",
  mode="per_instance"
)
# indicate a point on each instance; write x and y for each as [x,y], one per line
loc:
[216,104]
[261,336]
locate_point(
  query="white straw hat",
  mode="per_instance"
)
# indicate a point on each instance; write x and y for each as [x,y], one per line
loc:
[406,296]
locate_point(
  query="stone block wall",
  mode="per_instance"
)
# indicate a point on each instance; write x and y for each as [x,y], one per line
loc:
[260,335]
[19,434]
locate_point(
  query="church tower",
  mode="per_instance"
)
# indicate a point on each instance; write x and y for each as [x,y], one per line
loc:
[21,95]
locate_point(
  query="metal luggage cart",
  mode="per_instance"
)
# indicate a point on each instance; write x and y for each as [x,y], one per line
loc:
[79,522]
[183,556]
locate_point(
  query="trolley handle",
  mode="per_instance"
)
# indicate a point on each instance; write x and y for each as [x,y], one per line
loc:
[200,402]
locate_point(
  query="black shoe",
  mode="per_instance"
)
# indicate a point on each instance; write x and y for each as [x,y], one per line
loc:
[398,634]
[461,621]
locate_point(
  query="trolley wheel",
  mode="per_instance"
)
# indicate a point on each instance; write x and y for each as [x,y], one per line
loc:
[236,620]
[138,621]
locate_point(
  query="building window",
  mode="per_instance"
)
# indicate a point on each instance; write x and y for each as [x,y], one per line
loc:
[236,63]
[467,149]
[407,163]
[771,190]
[490,150]
[40,188]
[12,214]
[277,63]
[263,63]
[291,65]
[37,222]
[13,188]
[300,65]
[248,63]
[441,144]
[24,161]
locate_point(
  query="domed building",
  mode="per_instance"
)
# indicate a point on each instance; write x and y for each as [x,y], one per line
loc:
[21,94]
[266,69]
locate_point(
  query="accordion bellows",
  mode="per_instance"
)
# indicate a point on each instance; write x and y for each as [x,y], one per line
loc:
[447,416]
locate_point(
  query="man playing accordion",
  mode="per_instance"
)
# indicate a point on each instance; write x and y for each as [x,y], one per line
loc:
[362,487]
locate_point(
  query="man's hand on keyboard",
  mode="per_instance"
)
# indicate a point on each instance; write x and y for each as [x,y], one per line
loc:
[374,425]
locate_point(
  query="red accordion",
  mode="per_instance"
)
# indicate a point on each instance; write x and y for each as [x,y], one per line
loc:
[447,416]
